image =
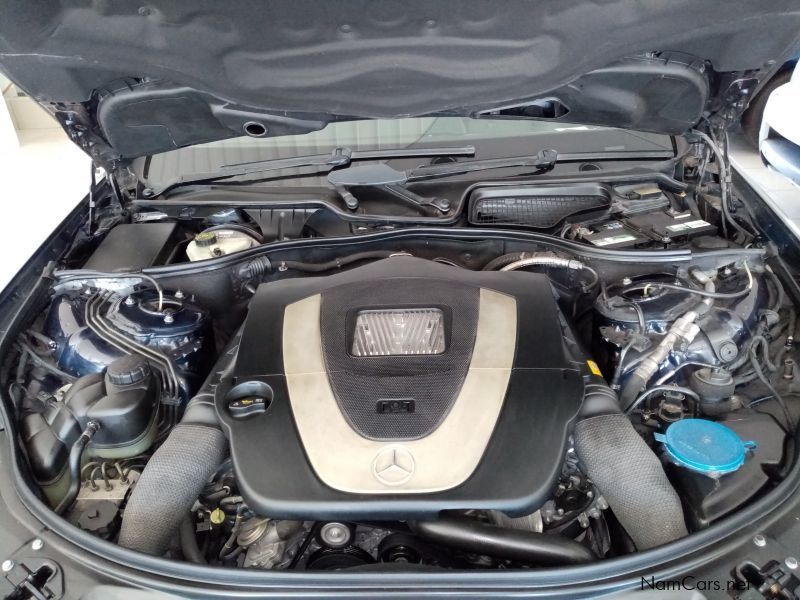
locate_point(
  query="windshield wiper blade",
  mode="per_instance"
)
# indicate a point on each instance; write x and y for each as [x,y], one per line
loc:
[383,174]
[324,163]
[393,181]
[544,160]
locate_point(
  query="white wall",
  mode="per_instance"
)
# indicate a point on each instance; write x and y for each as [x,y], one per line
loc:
[42,178]
[8,135]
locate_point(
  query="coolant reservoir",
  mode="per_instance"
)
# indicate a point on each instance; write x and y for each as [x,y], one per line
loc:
[220,242]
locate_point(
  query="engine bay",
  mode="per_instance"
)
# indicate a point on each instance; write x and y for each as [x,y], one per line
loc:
[549,374]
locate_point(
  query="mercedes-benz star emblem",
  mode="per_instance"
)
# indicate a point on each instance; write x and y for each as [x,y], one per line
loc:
[394,465]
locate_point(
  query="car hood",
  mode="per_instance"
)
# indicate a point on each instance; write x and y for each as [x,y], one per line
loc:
[129,79]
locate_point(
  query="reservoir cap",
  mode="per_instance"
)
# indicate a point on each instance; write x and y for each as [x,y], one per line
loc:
[128,370]
[205,238]
[704,446]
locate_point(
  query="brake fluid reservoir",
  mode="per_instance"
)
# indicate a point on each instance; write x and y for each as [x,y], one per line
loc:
[219,242]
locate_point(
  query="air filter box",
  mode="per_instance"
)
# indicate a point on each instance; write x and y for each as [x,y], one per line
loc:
[133,246]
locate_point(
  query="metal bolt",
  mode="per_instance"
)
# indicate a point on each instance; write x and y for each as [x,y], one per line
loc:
[7,565]
[179,295]
[627,281]
[335,534]
[37,544]
[788,369]
[759,540]
[168,318]
[791,563]
[130,301]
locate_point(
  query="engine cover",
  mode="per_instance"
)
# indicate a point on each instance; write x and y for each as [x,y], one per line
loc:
[400,389]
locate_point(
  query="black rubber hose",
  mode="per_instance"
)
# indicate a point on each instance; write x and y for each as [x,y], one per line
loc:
[681,288]
[780,294]
[625,470]
[75,456]
[179,470]
[630,390]
[631,478]
[189,547]
[40,362]
[598,399]
[514,544]
[337,263]
[169,484]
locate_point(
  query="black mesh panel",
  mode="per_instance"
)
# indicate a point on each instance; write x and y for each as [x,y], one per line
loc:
[535,211]
[432,382]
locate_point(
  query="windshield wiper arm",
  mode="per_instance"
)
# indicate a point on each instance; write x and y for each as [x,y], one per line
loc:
[544,160]
[383,174]
[339,157]
[392,180]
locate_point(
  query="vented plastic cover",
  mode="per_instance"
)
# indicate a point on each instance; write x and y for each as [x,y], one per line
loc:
[541,207]
[539,211]
[276,474]
[396,332]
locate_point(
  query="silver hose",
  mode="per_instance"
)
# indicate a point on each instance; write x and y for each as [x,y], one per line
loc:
[553,261]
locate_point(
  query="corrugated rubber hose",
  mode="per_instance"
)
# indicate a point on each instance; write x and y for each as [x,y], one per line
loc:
[171,482]
[178,471]
[631,478]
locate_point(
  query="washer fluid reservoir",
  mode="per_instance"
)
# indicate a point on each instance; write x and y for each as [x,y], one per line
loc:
[705,446]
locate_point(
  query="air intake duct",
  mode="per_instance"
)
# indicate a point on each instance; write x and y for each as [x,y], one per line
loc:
[627,471]
[177,472]
[171,482]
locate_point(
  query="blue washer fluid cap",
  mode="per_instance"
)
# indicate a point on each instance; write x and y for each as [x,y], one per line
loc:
[704,446]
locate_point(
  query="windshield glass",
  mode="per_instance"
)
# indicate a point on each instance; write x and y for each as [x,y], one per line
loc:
[492,139]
